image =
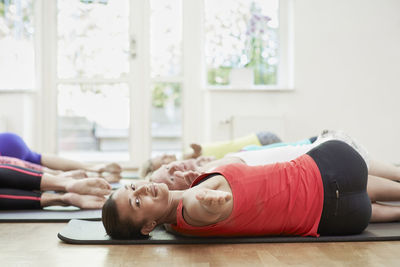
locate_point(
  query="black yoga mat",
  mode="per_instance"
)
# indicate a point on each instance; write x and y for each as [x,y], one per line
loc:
[51,214]
[86,232]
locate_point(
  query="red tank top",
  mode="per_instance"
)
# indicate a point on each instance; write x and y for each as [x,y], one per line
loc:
[275,199]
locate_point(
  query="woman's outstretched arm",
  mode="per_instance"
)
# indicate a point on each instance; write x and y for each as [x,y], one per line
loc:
[205,206]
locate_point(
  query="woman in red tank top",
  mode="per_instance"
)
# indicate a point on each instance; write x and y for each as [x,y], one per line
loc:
[276,199]
[305,197]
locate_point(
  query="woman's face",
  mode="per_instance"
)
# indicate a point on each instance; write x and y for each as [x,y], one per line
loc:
[142,203]
[172,174]
[158,161]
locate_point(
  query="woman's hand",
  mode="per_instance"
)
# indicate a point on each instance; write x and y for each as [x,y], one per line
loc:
[183,179]
[190,176]
[206,206]
[213,198]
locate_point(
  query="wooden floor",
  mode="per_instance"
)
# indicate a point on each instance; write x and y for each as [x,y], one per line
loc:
[36,244]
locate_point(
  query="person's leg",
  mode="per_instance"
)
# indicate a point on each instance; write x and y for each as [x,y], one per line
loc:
[19,178]
[77,200]
[21,163]
[13,145]
[380,189]
[16,199]
[26,179]
[217,163]
[89,186]
[272,155]
[58,163]
[220,149]
[76,174]
[384,170]
[385,213]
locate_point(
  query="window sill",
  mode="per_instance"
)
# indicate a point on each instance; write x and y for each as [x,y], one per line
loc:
[17,91]
[253,88]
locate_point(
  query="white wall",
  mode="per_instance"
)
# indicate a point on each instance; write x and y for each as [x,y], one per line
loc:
[347,76]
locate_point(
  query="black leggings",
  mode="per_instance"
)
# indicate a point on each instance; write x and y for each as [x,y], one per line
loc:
[19,188]
[347,207]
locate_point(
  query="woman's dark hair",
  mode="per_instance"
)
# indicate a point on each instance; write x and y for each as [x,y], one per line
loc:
[115,227]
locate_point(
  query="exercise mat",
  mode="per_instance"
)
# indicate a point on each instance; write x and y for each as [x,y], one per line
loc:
[86,232]
[51,214]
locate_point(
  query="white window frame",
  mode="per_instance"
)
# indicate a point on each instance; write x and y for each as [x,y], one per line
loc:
[193,72]
[138,80]
[45,62]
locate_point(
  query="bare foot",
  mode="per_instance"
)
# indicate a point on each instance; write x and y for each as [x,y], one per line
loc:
[196,151]
[76,174]
[196,148]
[83,201]
[89,186]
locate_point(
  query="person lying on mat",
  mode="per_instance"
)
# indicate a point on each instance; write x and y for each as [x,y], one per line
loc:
[323,192]
[254,155]
[207,152]
[36,167]
[179,175]
[12,145]
[22,188]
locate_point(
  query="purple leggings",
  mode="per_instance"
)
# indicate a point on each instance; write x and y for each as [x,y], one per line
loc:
[12,145]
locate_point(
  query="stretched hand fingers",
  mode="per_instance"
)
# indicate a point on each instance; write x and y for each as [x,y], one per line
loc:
[213,197]
[204,198]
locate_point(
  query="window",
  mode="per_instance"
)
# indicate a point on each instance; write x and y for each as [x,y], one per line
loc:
[17,45]
[121,79]
[93,60]
[166,76]
[242,42]
[99,60]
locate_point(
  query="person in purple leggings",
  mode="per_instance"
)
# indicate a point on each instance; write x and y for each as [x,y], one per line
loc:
[12,145]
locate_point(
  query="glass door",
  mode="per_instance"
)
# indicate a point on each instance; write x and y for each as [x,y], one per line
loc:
[166,76]
[93,69]
[119,79]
